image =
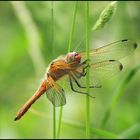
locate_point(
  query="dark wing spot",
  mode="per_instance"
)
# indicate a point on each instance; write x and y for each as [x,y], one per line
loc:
[124,40]
[112,60]
[135,45]
[121,67]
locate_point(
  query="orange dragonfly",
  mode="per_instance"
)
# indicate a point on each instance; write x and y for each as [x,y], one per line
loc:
[103,64]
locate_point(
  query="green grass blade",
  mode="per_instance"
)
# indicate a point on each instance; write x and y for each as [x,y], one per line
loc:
[59,121]
[103,133]
[52,27]
[87,75]
[119,92]
[32,34]
[96,131]
[132,132]
[72,26]
[54,122]
[69,48]
[52,45]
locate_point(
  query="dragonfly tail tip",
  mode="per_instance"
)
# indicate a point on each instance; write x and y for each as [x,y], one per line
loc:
[16,118]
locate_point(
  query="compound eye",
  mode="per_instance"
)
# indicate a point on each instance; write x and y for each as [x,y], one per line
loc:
[52,63]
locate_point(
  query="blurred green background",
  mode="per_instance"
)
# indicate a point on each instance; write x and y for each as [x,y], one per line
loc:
[26,50]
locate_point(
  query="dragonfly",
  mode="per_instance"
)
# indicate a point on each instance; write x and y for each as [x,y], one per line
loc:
[103,64]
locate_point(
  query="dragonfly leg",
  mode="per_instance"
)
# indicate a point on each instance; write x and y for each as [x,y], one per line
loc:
[83,73]
[84,86]
[84,62]
[73,87]
[77,90]
[84,68]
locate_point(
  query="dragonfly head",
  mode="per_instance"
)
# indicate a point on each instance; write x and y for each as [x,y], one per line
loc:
[73,57]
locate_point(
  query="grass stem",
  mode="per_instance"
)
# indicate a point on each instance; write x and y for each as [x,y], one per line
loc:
[118,93]
[59,121]
[88,74]
[32,34]
[69,48]
[72,26]
[52,40]
[54,122]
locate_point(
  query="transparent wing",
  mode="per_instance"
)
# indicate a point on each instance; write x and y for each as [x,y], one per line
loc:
[56,95]
[104,70]
[113,51]
[99,72]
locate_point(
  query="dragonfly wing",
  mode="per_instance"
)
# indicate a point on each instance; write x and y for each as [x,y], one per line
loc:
[112,51]
[99,72]
[104,70]
[56,95]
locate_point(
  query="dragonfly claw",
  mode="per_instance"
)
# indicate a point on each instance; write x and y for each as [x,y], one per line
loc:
[91,96]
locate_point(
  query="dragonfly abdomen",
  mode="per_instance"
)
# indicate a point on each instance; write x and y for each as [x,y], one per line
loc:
[28,104]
